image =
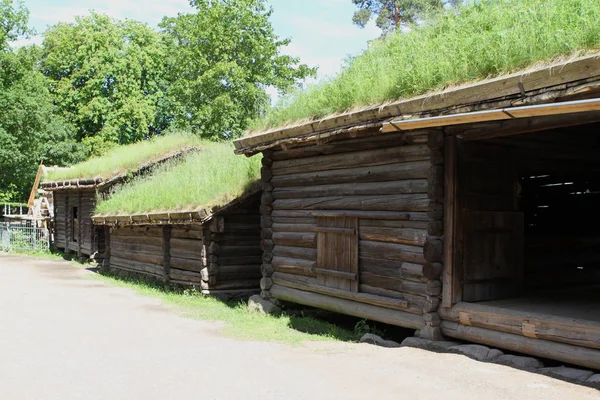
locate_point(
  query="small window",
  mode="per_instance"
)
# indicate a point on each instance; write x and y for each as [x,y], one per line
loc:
[75,233]
[337,253]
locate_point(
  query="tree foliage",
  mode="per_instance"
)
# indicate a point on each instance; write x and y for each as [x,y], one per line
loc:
[392,14]
[13,21]
[221,60]
[107,78]
[30,129]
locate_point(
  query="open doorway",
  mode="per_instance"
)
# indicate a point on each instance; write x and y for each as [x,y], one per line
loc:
[526,226]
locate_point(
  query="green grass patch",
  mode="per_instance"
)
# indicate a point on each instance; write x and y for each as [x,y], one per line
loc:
[124,159]
[211,177]
[484,39]
[241,323]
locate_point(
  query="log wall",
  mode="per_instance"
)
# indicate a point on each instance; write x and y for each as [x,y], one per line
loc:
[221,256]
[392,186]
[79,238]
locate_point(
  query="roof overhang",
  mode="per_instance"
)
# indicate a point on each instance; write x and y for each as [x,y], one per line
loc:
[541,110]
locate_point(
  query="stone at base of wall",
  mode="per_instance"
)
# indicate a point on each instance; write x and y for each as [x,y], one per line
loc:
[257,303]
[378,341]
[483,353]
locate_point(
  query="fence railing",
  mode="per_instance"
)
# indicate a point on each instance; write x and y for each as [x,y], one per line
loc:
[21,237]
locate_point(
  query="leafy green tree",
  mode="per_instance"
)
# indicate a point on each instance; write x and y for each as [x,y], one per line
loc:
[30,129]
[107,78]
[392,14]
[13,21]
[221,60]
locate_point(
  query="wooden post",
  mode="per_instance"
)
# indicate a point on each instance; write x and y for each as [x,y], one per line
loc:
[80,225]
[166,247]
[68,225]
[266,222]
[450,190]
[106,260]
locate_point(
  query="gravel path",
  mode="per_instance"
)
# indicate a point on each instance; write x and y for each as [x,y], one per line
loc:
[63,336]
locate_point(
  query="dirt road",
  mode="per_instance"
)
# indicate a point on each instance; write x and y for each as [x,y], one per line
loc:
[64,336]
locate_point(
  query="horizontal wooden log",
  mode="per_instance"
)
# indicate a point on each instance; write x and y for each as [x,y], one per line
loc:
[145,240]
[415,237]
[380,156]
[137,248]
[187,264]
[391,251]
[374,215]
[396,224]
[190,255]
[294,266]
[156,259]
[547,327]
[400,269]
[432,288]
[380,173]
[352,189]
[352,145]
[403,202]
[125,267]
[297,239]
[310,284]
[186,234]
[137,231]
[189,245]
[583,356]
[187,276]
[136,265]
[303,253]
[349,307]
[290,221]
[416,304]
[293,227]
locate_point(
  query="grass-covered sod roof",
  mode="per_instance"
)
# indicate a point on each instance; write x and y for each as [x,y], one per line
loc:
[208,178]
[480,40]
[124,159]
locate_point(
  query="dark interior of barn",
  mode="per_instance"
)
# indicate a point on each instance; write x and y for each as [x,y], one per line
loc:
[528,221]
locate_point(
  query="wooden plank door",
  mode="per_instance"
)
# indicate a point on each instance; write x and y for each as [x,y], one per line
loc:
[493,255]
[337,252]
[491,223]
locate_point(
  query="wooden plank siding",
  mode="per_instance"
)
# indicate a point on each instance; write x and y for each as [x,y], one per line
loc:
[70,234]
[317,203]
[222,255]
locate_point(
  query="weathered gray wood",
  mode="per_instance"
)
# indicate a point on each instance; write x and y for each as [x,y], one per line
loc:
[353,189]
[294,266]
[417,304]
[295,252]
[379,156]
[380,173]
[374,215]
[401,270]
[391,251]
[548,327]
[344,306]
[186,276]
[403,202]
[187,264]
[576,355]
[298,239]
[119,246]
[415,237]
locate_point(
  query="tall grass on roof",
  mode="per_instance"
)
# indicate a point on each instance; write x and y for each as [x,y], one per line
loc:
[210,177]
[123,159]
[479,40]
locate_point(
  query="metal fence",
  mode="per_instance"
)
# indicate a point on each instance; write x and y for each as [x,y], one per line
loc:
[22,237]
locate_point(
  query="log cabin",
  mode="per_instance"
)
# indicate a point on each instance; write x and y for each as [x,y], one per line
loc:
[469,213]
[75,201]
[217,250]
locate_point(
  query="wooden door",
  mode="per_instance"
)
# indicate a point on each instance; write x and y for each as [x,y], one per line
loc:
[492,226]
[493,255]
[337,252]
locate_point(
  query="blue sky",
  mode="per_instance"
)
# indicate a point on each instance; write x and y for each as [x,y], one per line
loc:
[322,32]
